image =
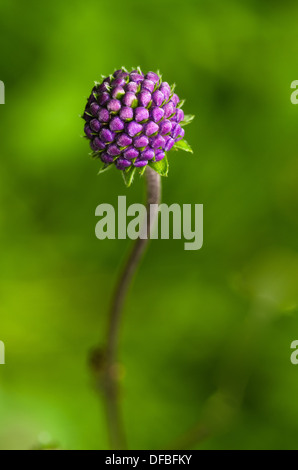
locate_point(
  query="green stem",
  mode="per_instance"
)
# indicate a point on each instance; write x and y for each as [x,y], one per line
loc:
[111,379]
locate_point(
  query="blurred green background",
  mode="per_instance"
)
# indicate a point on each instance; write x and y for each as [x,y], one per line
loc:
[206,337]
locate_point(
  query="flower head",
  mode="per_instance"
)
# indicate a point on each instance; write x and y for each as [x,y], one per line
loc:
[132,120]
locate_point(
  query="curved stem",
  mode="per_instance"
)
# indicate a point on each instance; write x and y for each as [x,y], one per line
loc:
[111,384]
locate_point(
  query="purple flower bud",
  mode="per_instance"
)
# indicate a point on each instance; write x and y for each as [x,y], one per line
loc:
[116,124]
[156,113]
[103,98]
[165,127]
[141,114]
[106,135]
[103,87]
[117,92]
[92,146]
[179,115]
[175,99]
[136,77]
[152,76]
[144,98]
[113,150]
[169,144]
[118,82]
[140,163]
[168,109]
[98,144]
[158,97]
[126,113]
[166,91]
[106,158]
[88,131]
[121,163]
[157,142]
[130,99]
[94,108]
[165,85]
[151,128]
[132,87]
[181,135]
[133,128]
[141,141]
[86,116]
[95,125]
[91,99]
[159,155]
[130,153]
[108,79]
[148,85]
[114,106]
[103,115]
[120,74]
[123,140]
[176,131]
[147,154]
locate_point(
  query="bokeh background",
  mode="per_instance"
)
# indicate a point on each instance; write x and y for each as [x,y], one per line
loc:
[205,343]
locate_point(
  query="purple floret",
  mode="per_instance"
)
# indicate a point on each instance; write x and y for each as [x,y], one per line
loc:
[122,163]
[95,125]
[116,124]
[151,128]
[159,155]
[158,98]
[123,140]
[141,142]
[131,153]
[144,98]
[133,128]
[114,106]
[88,131]
[129,99]
[141,114]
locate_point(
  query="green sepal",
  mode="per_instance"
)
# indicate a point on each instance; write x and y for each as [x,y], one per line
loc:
[106,167]
[142,170]
[161,167]
[120,94]
[135,103]
[95,154]
[128,175]
[160,78]
[188,118]
[180,104]
[183,145]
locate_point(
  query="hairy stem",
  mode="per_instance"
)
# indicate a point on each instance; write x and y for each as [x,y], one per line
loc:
[111,383]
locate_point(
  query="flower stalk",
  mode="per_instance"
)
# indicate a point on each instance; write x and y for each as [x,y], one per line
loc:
[109,373]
